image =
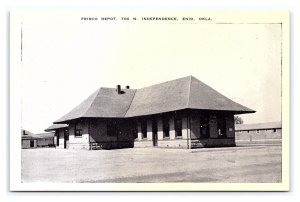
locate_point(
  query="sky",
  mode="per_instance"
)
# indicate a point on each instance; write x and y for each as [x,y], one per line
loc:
[65,59]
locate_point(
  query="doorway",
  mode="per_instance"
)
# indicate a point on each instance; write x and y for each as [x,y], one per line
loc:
[66,139]
[57,140]
[31,143]
[154,132]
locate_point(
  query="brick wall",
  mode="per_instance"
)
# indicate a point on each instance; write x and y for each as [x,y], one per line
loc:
[77,142]
[143,144]
[190,132]
[171,141]
[214,140]
[175,143]
[218,142]
[100,139]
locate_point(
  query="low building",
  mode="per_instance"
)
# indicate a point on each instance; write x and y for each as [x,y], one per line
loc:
[28,141]
[45,140]
[258,131]
[182,113]
[61,136]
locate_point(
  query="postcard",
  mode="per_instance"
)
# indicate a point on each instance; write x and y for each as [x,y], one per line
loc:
[149,100]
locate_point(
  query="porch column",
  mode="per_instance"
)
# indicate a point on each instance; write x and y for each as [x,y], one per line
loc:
[55,139]
[172,128]
[139,126]
[61,138]
[186,131]
[149,129]
[160,133]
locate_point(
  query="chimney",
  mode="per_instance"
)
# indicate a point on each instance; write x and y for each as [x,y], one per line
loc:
[24,133]
[118,89]
[127,87]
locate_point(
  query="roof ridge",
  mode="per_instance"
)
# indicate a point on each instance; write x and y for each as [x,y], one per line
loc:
[156,84]
[189,92]
[115,88]
[135,90]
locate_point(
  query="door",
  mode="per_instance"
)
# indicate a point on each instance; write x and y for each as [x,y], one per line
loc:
[57,140]
[31,143]
[154,132]
[66,139]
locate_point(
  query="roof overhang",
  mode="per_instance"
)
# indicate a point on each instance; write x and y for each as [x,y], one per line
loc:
[56,127]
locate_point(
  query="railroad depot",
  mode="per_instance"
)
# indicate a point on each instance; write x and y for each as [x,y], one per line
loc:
[182,113]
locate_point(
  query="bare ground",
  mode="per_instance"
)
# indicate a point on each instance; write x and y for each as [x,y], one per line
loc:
[258,162]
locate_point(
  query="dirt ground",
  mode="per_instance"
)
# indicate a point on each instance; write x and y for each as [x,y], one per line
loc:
[258,162]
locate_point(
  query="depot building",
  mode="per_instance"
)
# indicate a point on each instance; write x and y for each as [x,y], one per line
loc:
[182,113]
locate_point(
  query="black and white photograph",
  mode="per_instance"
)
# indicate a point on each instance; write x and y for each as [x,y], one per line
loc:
[149,100]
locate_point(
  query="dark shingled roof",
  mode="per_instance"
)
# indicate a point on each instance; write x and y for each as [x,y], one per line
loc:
[258,126]
[56,126]
[184,93]
[105,102]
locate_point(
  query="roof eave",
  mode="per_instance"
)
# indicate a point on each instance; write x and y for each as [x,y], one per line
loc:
[53,129]
[231,111]
[49,130]
[62,122]
[244,112]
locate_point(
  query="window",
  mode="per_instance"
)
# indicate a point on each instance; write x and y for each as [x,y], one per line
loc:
[178,126]
[248,131]
[144,128]
[78,133]
[274,130]
[166,127]
[257,131]
[204,127]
